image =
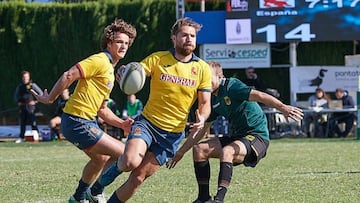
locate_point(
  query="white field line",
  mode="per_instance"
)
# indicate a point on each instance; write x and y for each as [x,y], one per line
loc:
[314,174]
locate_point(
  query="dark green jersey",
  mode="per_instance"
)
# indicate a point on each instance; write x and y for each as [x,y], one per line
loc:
[245,117]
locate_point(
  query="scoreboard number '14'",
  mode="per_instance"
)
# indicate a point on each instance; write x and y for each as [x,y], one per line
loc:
[301,33]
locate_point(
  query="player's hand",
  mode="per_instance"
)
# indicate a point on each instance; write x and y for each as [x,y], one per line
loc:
[200,123]
[294,113]
[172,162]
[126,125]
[44,98]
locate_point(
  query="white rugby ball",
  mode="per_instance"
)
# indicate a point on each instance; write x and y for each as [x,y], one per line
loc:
[132,78]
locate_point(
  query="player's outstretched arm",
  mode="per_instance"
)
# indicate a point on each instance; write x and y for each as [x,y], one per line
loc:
[37,89]
[287,110]
[194,137]
[63,82]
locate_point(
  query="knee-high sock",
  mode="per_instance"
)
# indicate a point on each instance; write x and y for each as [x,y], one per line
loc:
[106,178]
[80,190]
[225,174]
[202,173]
[114,199]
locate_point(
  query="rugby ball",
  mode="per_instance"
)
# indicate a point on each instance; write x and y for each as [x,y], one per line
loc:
[131,78]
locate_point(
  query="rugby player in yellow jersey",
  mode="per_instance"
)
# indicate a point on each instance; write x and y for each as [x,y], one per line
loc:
[178,78]
[95,80]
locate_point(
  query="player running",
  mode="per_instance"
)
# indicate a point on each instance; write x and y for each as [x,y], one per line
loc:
[95,80]
[178,78]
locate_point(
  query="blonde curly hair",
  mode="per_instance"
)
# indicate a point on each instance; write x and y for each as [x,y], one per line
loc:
[119,25]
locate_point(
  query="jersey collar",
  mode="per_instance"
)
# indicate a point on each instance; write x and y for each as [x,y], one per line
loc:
[108,55]
[193,57]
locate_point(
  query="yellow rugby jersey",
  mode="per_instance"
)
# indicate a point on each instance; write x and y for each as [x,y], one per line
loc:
[94,86]
[173,88]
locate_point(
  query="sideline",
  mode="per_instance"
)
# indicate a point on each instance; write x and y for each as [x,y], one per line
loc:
[11,132]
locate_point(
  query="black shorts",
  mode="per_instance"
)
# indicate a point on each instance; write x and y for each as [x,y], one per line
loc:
[255,146]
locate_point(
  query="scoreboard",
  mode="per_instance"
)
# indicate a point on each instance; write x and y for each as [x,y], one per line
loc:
[251,21]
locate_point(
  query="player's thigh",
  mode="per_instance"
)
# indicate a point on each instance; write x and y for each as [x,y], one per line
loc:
[207,149]
[234,152]
[108,145]
[134,153]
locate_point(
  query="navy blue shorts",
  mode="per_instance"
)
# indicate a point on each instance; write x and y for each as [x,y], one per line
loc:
[81,132]
[161,143]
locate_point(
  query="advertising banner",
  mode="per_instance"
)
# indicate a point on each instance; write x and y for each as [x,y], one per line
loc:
[307,78]
[238,55]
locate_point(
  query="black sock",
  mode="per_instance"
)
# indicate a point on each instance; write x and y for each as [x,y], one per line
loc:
[114,199]
[225,174]
[202,173]
[80,190]
[97,188]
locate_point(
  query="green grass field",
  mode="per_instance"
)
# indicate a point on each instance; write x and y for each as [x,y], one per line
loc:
[295,170]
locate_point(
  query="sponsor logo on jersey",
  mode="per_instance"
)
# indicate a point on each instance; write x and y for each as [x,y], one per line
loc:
[193,71]
[166,66]
[177,80]
[227,100]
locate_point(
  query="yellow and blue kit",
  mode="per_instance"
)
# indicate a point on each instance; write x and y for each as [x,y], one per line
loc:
[174,86]
[94,86]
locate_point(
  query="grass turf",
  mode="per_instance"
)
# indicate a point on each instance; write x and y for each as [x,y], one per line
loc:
[295,170]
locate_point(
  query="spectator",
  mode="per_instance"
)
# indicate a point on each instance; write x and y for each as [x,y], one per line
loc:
[347,117]
[133,107]
[252,79]
[55,122]
[316,102]
[111,104]
[26,102]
